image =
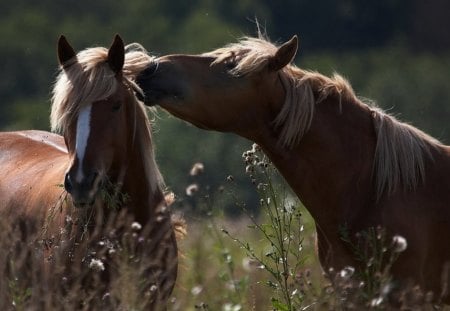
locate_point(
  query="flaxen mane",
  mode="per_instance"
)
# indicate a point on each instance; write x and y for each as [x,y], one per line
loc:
[401,149]
[89,78]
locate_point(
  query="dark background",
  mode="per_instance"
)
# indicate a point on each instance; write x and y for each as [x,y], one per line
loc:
[395,52]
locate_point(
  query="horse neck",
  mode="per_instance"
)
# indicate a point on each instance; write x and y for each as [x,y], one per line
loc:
[334,155]
[141,177]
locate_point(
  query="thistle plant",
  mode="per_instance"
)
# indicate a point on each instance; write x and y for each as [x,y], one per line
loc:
[376,255]
[282,233]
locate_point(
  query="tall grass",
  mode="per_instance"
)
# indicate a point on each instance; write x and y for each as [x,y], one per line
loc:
[108,270]
[256,262]
[267,261]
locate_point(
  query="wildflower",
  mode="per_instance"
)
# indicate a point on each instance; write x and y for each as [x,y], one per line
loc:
[230,178]
[191,190]
[231,307]
[231,285]
[347,272]
[153,288]
[197,169]
[136,226]
[106,296]
[249,264]
[196,290]
[376,302]
[256,147]
[96,264]
[399,244]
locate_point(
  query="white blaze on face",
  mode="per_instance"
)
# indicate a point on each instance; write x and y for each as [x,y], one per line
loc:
[82,136]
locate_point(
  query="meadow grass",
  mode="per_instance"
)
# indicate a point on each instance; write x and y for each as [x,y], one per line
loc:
[263,261]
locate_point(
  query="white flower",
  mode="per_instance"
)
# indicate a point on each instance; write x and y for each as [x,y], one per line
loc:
[256,148]
[96,264]
[197,169]
[196,290]
[230,307]
[376,302]
[399,244]
[249,264]
[347,272]
[136,226]
[191,190]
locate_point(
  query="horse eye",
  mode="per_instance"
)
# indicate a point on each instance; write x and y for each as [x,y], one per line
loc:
[117,106]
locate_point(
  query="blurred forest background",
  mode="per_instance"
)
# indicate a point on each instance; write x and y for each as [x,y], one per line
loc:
[396,52]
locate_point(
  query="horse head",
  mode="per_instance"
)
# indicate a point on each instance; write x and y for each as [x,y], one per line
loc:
[226,90]
[94,114]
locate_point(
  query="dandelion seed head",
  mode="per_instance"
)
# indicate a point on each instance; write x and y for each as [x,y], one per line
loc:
[347,272]
[399,244]
[196,290]
[231,307]
[376,302]
[136,226]
[97,265]
[256,148]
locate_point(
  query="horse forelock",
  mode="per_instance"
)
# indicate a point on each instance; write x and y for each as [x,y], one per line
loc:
[90,79]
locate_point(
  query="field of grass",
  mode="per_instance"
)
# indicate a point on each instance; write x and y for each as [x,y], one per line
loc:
[263,262]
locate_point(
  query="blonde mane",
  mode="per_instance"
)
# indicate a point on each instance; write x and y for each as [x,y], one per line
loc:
[89,78]
[401,149]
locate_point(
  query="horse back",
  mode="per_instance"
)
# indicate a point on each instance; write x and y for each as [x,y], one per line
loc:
[32,165]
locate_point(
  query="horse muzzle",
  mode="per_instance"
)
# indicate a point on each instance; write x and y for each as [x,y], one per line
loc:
[84,191]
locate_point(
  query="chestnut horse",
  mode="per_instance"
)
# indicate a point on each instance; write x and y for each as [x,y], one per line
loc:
[106,146]
[351,164]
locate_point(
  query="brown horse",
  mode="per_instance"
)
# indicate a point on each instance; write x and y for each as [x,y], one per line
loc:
[351,164]
[106,146]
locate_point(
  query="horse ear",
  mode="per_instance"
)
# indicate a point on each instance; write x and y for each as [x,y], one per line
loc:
[65,51]
[116,54]
[284,55]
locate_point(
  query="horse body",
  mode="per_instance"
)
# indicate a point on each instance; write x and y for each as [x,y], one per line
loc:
[338,191]
[351,164]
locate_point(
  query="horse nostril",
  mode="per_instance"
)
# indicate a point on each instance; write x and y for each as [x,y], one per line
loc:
[68,183]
